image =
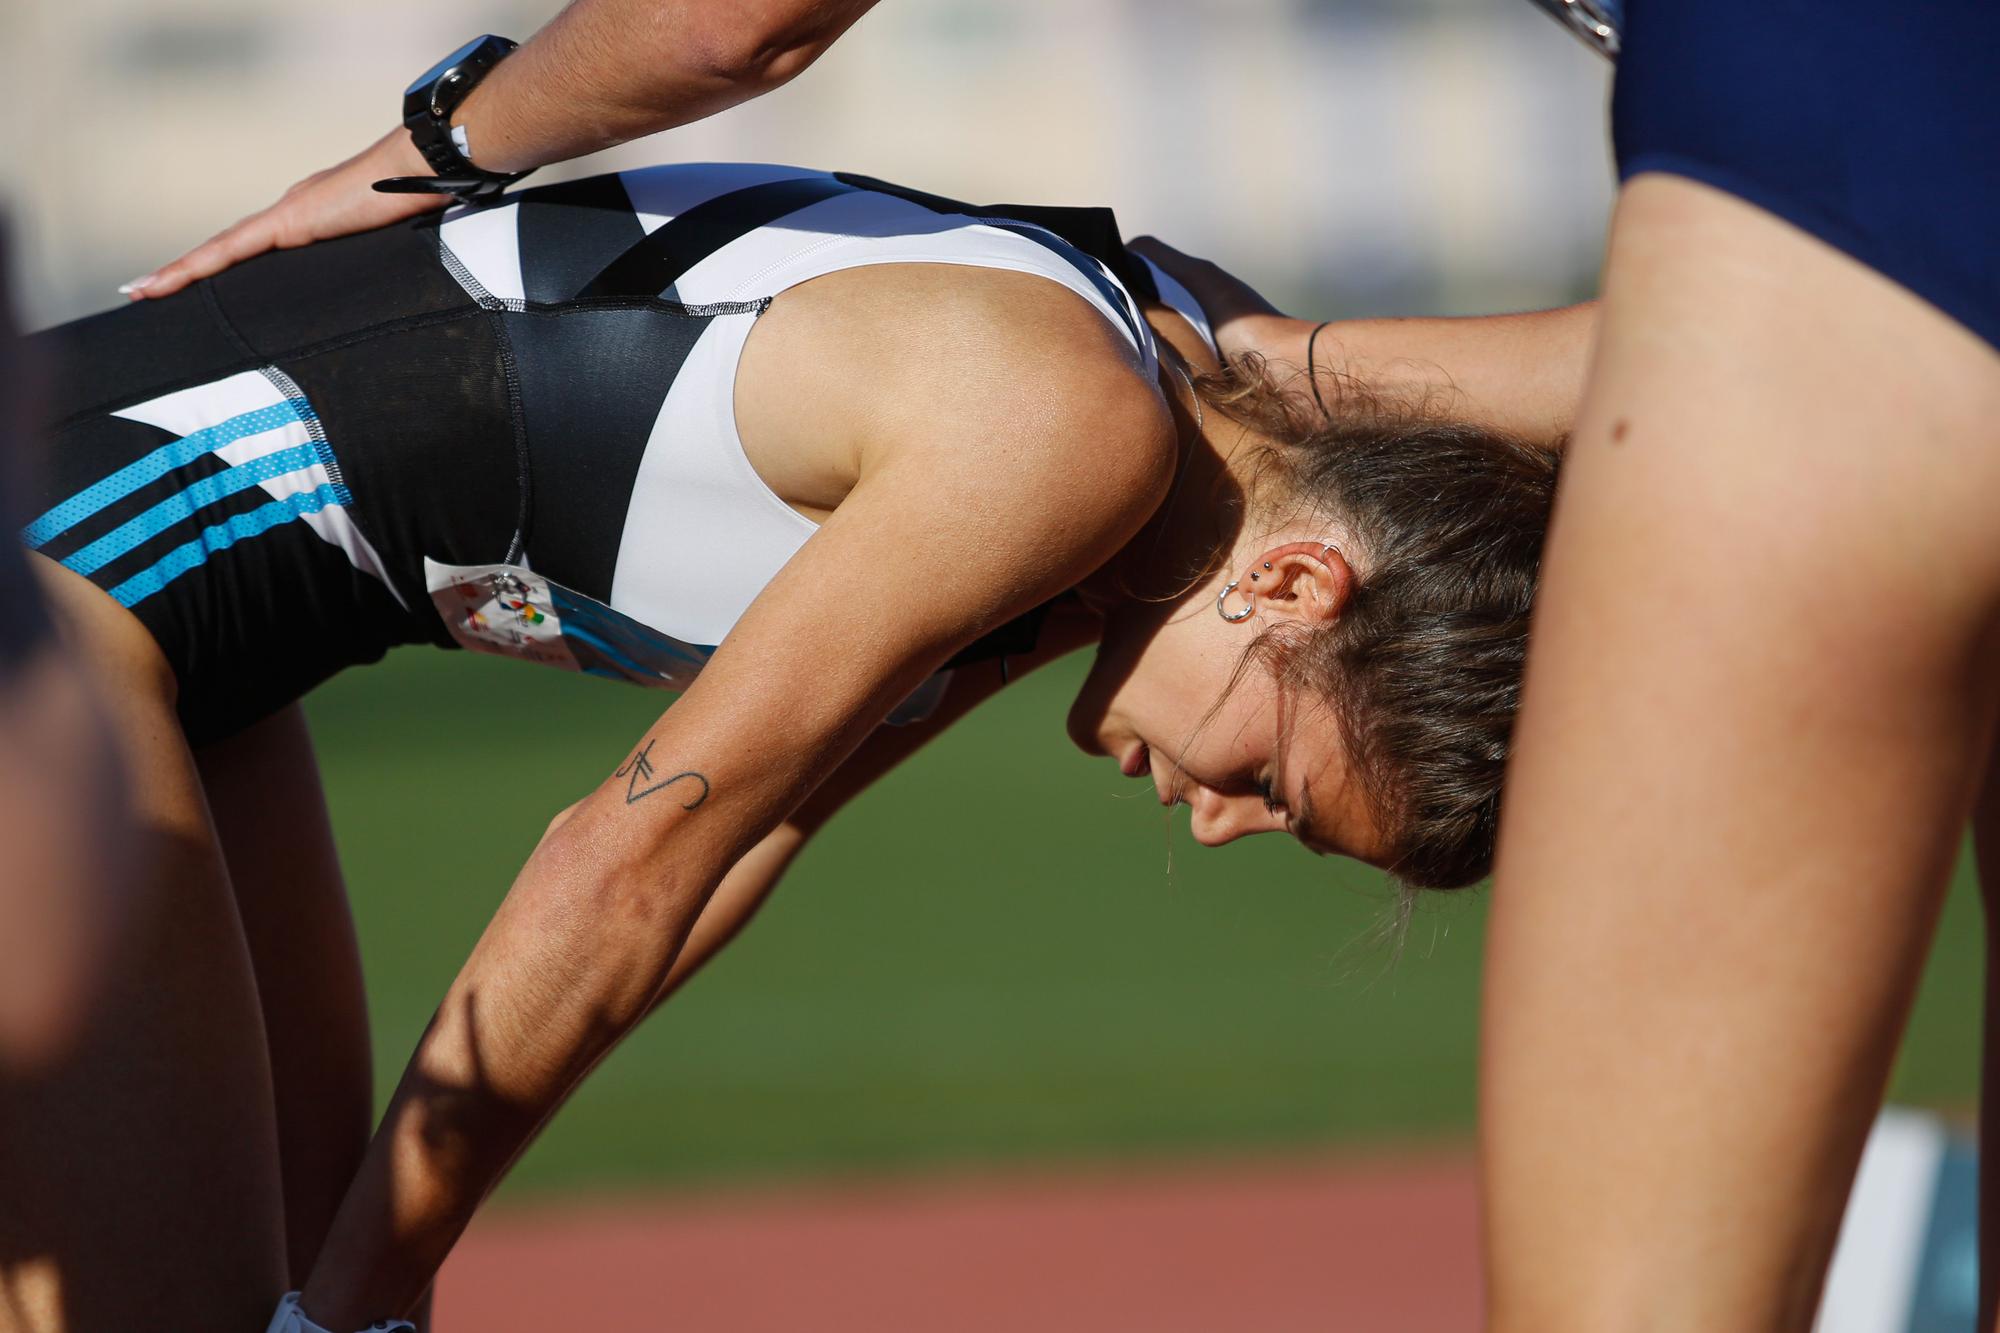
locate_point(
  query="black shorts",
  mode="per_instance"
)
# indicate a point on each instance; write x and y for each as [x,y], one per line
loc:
[253,466]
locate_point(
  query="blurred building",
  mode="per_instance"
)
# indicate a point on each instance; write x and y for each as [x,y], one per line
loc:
[1351,156]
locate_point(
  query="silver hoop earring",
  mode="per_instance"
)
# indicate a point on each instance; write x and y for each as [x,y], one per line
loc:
[1249,606]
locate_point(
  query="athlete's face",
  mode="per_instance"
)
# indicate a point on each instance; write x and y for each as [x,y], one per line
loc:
[1171,697]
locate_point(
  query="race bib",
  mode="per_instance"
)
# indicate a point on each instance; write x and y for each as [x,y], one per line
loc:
[515,612]
[512,611]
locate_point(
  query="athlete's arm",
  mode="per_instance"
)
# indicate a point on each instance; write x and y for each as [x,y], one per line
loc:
[1520,374]
[968,510]
[750,881]
[602,72]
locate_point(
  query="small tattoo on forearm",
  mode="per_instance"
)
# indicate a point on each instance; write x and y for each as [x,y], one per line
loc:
[642,780]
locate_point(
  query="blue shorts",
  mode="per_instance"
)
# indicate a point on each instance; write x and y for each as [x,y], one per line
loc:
[1873,126]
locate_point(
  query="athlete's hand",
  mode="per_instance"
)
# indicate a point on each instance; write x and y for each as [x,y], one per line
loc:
[336,202]
[1243,321]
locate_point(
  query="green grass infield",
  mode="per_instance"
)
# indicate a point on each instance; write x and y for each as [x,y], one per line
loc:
[1004,952]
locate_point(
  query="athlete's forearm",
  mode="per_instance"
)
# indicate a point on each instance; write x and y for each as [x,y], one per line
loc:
[571,961]
[1521,374]
[604,72]
[752,879]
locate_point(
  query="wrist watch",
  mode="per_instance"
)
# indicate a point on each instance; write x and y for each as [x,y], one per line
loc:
[1598,24]
[427,107]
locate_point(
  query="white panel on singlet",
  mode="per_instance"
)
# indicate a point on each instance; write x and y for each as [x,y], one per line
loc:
[703,534]
[1181,299]
[864,228]
[660,194]
[487,242]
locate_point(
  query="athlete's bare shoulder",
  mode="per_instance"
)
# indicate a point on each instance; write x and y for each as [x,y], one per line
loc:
[862,361]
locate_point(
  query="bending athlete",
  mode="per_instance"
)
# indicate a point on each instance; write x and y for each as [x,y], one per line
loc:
[820,451]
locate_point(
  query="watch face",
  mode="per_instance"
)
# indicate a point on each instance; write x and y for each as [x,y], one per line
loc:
[430,76]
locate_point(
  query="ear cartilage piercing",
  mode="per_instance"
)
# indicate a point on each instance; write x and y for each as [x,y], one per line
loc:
[1255,577]
[1267,565]
[1249,605]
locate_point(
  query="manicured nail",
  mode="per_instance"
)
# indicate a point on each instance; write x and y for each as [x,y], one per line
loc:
[138,284]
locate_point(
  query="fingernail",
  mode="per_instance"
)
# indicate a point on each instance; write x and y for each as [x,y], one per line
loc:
[138,284]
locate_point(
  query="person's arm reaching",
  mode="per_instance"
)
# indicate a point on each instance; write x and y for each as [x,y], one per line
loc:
[603,72]
[1522,374]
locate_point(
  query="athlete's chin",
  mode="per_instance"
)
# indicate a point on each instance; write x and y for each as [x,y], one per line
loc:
[1208,835]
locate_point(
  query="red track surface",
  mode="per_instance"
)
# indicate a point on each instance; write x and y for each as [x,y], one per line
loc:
[1381,1247]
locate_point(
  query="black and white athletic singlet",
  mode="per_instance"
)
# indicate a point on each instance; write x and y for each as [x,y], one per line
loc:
[508,428]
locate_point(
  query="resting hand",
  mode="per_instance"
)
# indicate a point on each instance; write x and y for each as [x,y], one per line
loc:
[1243,321]
[1521,374]
[336,202]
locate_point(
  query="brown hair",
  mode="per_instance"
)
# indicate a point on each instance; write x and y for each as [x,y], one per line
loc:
[1422,669]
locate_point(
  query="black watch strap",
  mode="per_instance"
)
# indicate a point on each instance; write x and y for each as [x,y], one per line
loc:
[460,187]
[428,105]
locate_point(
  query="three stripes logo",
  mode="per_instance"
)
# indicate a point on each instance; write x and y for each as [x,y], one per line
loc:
[242,456]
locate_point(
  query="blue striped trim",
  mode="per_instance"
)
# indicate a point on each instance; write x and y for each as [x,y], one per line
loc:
[160,462]
[179,508]
[573,632]
[240,527]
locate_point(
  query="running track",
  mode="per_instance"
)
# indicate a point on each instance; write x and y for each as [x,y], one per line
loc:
[1271,1247]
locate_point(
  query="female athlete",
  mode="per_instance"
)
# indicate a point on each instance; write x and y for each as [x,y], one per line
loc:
[821,452]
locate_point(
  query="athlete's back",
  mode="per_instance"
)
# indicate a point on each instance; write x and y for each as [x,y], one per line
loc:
[512,429]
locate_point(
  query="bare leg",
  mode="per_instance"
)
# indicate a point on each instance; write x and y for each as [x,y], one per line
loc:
[139,1180]
[63,891]
[270,813]
[1758,706]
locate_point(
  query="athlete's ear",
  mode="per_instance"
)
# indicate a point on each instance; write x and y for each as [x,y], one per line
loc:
[1306,582]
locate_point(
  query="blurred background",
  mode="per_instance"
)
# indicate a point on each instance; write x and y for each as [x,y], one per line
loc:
[1005,960]
[1359,156]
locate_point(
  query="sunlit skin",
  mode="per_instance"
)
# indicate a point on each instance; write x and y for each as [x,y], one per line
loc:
[1263,760]
[1759,707]
[1170,694]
